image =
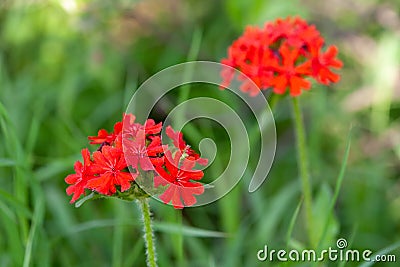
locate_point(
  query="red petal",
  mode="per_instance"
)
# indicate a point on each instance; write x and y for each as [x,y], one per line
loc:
[117,128]
[124,179]
[78,167]
[72,178]
[296,83]
[100,138]
[172,169]
[189,190]
[146,164]
[164,174]
[176,198]
[102,184]
[70,189]
[159,180]
[121,163]
[202,161]
[78,192]
[167,195]
[279,83]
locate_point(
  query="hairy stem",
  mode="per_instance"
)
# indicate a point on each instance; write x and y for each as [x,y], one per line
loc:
[302,159]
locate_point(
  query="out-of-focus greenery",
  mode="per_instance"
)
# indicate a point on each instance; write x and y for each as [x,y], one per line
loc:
[69,67]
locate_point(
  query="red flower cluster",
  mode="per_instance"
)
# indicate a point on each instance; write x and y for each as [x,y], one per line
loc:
[279,56]
[139,147]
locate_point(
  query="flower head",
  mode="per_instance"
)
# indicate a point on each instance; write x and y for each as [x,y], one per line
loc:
[280,56]
[134,151]
[178,175]
[105,137]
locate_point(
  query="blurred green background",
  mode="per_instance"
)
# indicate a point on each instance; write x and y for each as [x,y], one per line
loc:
[69,67]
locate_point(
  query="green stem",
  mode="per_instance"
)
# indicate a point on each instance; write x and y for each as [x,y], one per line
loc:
[148,232]
[302,159]
[179,238]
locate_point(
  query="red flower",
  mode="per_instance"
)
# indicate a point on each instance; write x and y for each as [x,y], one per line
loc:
[151,127]
[129,126]
[322,61]
[181,189]
[104,137]
[295,31]
[108,164]
[137,152]
[177,139]
[289,75]
[128,119]
[79,179]
[281,55]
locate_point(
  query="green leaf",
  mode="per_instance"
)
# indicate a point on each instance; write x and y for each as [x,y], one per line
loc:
[15,203]
[187,230]
[384,251]
[321,205]
[339,182]
[36,223]
[292,222]
[6,162]
[83,200]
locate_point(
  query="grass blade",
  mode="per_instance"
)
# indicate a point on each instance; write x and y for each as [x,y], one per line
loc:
[337,187]
[118,235]
[6,162]
[188,231]
[36,222]
[292,222]
[15,203]
[384,251]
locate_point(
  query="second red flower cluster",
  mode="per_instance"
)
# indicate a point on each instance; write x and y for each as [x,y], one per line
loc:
[279,56]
